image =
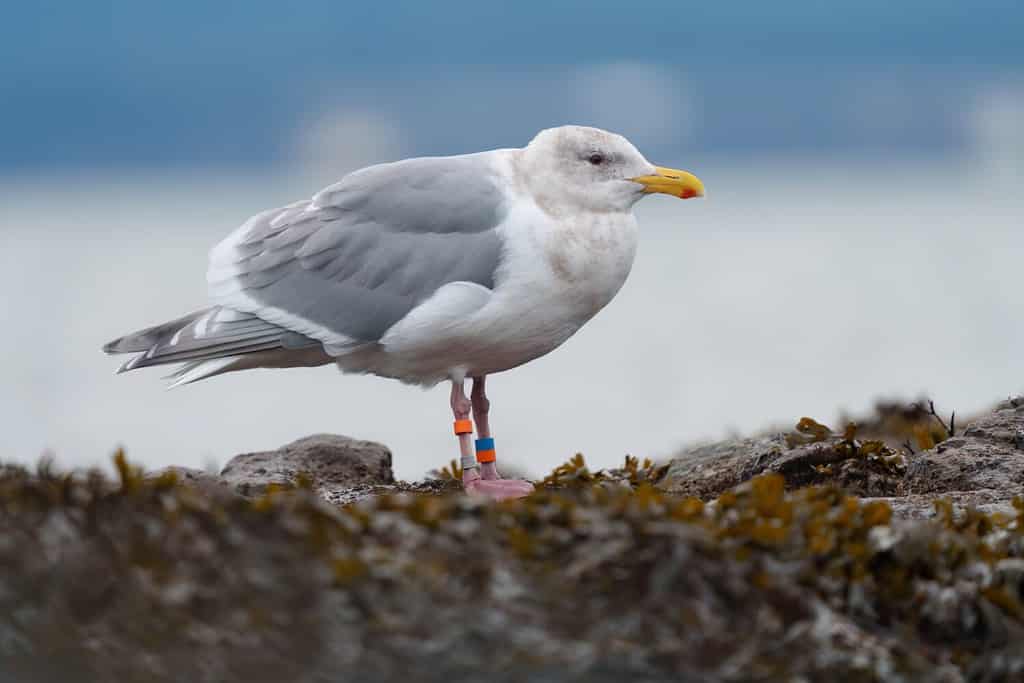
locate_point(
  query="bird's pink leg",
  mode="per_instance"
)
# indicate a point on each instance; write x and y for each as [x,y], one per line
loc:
[481,409]
[472,479]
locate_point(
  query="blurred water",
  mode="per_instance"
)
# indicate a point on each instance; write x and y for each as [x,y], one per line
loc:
[796,288]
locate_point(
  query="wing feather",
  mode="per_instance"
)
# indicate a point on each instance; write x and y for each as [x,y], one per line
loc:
[213,334]
[347,265]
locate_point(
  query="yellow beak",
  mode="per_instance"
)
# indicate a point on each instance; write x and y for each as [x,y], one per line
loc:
[673,182]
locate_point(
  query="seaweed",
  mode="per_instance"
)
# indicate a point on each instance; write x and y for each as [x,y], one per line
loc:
[633,473]
[912,425]
[597,576]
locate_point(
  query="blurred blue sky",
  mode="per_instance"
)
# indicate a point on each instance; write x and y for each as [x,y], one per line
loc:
[88,85]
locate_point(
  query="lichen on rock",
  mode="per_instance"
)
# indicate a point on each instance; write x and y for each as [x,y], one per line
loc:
[598,576]
[980,467]
[812,454]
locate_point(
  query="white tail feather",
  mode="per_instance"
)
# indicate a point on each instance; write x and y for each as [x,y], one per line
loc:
[201,370]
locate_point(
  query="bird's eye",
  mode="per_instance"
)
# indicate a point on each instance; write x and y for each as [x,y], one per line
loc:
[596,159]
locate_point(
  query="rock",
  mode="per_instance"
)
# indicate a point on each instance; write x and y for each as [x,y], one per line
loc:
[131,581]
[922,506]
[136,580]
[833,462]
[336,465]
[987,456]
[189,476]
[982,467]
[705,471]
[708,470]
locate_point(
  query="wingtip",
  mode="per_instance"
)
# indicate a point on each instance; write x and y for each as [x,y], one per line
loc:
[193,372]
[128,365]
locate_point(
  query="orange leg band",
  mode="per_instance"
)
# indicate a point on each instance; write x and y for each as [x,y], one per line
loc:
[463,427]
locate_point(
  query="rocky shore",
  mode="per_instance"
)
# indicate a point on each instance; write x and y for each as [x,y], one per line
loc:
[813,554]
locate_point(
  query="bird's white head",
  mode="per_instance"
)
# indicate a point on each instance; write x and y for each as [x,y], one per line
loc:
[574,168]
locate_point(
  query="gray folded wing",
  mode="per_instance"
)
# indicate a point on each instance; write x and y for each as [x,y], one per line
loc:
[214,333]
[345,266]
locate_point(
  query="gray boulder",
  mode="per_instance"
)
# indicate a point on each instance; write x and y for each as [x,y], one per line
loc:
[707,471]
[981,468]
[335,465]
[989,454]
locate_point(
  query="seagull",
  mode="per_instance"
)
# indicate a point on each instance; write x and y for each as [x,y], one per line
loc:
[426,270]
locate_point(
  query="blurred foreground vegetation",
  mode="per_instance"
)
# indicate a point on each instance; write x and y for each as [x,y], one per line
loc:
[597,576]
